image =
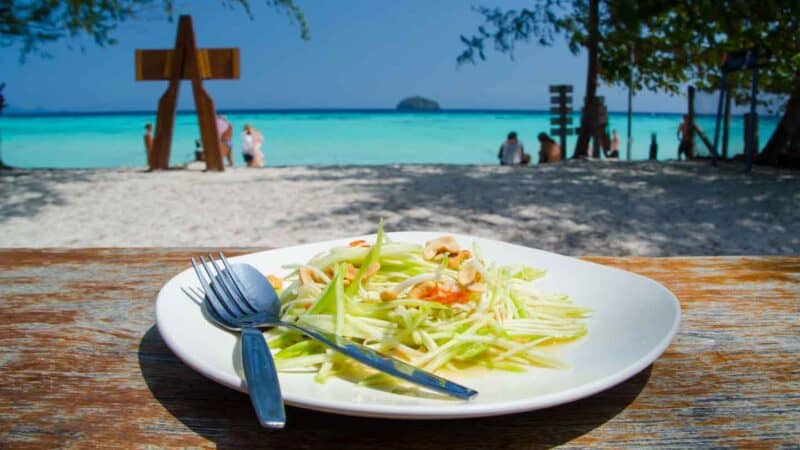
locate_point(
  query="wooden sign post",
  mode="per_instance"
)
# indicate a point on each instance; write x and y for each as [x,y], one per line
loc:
[560,107]
[186,62]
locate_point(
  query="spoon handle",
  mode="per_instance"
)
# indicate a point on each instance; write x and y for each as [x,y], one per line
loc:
[385,364]
[262,379]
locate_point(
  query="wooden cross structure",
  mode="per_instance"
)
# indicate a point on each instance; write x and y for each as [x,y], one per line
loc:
[186,62]
[561,110]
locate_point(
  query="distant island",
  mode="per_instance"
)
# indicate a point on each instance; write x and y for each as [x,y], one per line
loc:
[418,103]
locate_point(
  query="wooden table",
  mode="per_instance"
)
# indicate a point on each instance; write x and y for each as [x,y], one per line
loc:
[82,364]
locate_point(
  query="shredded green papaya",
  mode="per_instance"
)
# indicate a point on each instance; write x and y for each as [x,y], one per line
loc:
[438,305]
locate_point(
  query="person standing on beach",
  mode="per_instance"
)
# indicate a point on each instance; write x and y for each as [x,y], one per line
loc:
[549,150]
[512,152]
[683,136]
[225,134]
[251,146]
[653,147]
[614,153]
[148,141]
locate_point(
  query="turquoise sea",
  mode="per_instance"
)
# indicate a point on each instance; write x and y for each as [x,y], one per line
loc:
[325,137]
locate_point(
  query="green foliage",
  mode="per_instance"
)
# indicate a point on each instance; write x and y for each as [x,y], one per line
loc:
[667,43]
[687,40]
[505,28]
[33,24]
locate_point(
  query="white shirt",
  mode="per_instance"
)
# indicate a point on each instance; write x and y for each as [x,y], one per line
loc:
[247,144]
[512,153]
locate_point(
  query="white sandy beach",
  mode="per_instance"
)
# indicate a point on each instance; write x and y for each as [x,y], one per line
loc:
[575,208]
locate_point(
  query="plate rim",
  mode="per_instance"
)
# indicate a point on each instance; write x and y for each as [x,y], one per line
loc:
[456,410]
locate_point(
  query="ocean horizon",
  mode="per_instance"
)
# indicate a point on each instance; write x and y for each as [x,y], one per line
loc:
[328,136]
[34,112]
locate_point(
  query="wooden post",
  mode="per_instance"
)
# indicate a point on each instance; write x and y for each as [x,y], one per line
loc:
[690,151]
[718,118]
[753,144]
[750,132]
[704,139]
[186,62]
[602,142]
[629,142]
[596,132]
[206,113]
[726,124]
[747,59]
[560,106]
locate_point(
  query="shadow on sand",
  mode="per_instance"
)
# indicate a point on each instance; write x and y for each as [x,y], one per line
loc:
[26,192]
[578,207]
[225,417]
[574,208]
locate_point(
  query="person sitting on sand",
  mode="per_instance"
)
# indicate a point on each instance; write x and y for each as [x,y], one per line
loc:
[148,141]
[225,134]
[512,152]
[549,151]
[251,146]
[198,150]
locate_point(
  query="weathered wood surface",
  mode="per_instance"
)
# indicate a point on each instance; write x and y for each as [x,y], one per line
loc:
[82,365]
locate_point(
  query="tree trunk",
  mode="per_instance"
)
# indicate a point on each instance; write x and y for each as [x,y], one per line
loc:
[789,125]
[589,115]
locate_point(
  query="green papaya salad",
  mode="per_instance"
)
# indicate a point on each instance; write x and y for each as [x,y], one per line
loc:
[437,306]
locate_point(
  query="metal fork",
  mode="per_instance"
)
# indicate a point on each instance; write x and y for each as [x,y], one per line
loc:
[229,307]
[253,290]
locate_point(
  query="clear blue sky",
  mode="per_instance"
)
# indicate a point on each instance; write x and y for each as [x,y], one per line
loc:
[362,54]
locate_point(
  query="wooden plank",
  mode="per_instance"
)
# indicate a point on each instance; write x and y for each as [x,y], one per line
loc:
[561,110]
[726,122]
[704,139]
[561,120]
[218,64]
[83,364]
[560,88]
[206,112]
[690,153]
[740,60]
[568,131]
[168,103]
[153,65]
[561,100]
[214,63]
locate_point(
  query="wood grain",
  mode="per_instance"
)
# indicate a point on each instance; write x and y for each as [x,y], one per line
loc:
[82,365]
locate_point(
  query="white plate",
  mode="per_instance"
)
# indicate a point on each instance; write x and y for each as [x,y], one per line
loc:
[633,321]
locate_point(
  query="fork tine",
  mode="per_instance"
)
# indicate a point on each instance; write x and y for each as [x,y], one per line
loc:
[235,280]
[213,301]
[231,298]
[222,295]
[192,294]
[197,292]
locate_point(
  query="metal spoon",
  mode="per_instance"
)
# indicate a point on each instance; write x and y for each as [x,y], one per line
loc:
[228,308]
